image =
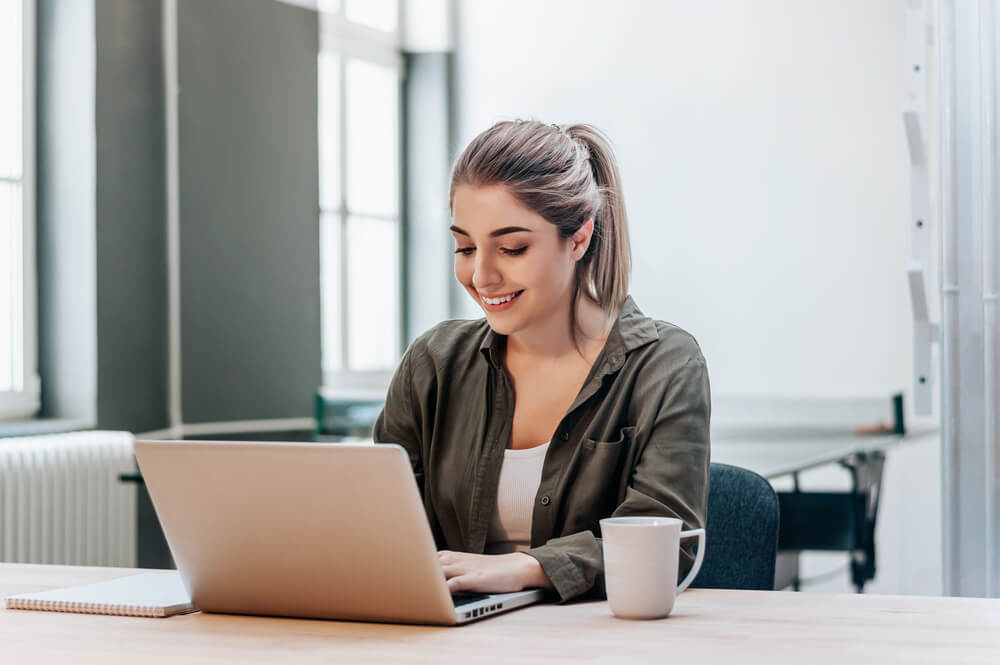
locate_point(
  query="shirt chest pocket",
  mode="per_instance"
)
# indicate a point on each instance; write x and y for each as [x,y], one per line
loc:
[596,480]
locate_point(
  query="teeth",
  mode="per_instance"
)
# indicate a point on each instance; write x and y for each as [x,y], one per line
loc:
[498,301]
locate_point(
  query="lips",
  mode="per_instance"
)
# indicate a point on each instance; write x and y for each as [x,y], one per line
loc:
[500,302]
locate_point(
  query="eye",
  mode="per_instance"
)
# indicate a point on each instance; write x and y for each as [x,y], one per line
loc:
[514,252]
[465,251]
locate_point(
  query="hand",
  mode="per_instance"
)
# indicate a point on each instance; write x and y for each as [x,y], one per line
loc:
[491,573]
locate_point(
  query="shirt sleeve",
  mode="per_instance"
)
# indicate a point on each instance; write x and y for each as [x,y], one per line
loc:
[670,479]
[400,419]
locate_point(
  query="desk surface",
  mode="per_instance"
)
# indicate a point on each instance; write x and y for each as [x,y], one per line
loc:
[706,627]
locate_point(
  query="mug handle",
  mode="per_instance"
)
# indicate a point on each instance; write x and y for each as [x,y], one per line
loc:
[699,555]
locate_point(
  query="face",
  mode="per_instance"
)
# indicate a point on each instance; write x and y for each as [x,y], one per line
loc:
[511,260]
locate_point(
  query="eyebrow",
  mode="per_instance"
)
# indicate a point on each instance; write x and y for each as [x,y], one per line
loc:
[495,233]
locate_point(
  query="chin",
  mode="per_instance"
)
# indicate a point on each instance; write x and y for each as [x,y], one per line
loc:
[510,323]
[501,326]
[504,322]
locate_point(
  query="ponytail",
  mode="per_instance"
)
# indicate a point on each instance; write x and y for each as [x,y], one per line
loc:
[607,272]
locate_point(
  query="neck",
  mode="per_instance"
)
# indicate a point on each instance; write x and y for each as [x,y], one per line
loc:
[553,339]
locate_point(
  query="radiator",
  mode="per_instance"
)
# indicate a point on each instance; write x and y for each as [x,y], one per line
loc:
[61,501]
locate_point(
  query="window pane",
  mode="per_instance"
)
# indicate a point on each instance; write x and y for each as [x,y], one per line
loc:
[329,131]
[10,89]
[373,302]
[372,139]
[10,283]
[329,275]
[328,6]
[378,14]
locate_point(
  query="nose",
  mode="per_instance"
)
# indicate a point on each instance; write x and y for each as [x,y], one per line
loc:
[485,273]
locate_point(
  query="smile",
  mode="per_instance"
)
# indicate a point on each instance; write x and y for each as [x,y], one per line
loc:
[500,301]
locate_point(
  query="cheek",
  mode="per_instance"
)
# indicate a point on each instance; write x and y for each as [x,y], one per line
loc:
[463,270]
[550,272]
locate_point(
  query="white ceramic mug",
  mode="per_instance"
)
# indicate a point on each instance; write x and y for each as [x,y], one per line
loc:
[641,564]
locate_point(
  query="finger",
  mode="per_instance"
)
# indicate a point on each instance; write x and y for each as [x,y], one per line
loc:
[452,570]
[460,583]
[446,556]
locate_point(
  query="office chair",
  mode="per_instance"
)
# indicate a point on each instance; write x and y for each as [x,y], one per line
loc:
[741,535]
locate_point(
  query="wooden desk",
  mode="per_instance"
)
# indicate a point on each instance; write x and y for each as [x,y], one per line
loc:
[743,627]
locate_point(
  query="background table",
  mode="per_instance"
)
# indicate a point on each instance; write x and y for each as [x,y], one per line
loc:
[786,437]
[707,626]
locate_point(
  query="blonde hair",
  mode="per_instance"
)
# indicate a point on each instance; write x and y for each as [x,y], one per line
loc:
[567,174]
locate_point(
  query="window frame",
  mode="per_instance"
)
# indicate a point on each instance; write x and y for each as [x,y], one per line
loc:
[24,401]
[348,40]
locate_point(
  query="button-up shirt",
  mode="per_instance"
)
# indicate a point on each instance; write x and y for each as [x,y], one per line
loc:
[634,442]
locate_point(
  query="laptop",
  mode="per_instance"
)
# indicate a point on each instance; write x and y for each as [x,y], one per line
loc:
[310,530]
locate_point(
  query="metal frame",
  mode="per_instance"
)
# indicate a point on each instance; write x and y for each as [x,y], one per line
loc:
[945,40]
[24,401]
[171,138]
[925,332]
[834,521]
[985,197]
[967,186]
[350,40]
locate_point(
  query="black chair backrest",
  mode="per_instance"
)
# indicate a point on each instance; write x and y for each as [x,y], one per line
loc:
[741,538]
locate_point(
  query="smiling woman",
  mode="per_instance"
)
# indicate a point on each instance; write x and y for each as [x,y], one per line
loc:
[527,256]
[565,404]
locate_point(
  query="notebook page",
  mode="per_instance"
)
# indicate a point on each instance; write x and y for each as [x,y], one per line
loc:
[147,594]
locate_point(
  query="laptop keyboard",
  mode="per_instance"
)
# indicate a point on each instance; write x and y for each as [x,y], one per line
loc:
[465,597]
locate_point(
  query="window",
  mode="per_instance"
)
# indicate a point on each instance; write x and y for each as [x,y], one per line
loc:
[18,375]
[360,72]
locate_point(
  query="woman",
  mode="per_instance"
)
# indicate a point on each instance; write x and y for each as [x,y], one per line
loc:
[565,404]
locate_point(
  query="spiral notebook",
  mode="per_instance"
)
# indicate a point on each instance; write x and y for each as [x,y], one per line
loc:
[144,595]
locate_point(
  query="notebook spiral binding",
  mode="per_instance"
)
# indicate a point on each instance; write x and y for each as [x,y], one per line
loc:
[84,608]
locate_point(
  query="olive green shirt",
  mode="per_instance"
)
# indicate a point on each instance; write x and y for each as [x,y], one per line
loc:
[634,442]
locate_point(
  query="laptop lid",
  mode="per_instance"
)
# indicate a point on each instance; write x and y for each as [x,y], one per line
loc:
[297,529]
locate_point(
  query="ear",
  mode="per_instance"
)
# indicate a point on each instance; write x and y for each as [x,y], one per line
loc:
[581,239]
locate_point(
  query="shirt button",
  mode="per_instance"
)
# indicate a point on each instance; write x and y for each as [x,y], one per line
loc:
[545,500]
[564,436]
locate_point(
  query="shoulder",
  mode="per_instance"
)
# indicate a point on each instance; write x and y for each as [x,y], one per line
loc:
[677,345]
[448,341]
[663,344]
[673,359]
[668,371]
[660,355]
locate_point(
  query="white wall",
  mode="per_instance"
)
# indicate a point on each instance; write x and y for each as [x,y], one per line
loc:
[763,155]
[765,168]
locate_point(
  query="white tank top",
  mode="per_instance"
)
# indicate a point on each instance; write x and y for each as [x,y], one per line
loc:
[520,475]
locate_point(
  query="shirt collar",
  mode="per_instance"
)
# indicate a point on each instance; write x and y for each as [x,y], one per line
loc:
[632,330]
[493,346]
